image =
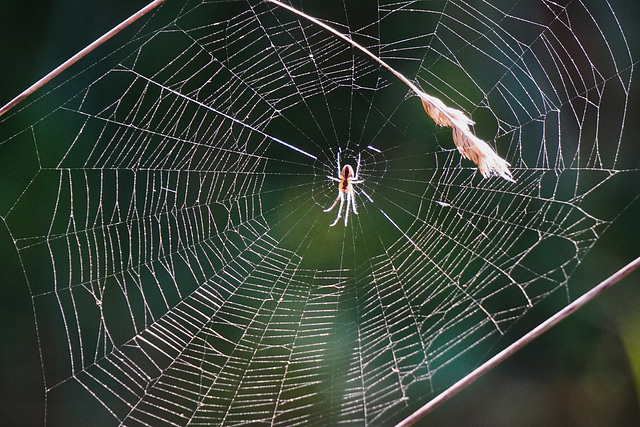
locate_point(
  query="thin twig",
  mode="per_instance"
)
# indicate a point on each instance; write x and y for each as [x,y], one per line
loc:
[75,58]
[470,146]
[526,339]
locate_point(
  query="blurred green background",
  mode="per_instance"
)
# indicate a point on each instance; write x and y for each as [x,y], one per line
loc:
[583,373]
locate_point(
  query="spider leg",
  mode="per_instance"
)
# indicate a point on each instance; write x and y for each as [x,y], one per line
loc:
[353,203]
[346,210]
[341,197]
[334,203]
[357,169]
[338,158]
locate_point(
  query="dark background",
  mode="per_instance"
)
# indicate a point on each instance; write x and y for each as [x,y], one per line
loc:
[581,373]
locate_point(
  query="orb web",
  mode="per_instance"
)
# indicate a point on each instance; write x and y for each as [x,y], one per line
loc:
[169,213]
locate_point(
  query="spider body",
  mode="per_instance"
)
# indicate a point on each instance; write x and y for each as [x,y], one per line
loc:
[346,178]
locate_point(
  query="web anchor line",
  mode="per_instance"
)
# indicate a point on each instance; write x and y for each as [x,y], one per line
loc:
[226,116]
[455,283]
[529,302]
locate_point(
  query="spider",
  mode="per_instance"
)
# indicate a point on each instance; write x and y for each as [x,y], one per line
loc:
[346,178]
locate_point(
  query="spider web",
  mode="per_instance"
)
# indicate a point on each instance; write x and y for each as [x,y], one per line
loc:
[168,203]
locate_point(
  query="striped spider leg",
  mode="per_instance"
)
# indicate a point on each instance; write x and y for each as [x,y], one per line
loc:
[346,178]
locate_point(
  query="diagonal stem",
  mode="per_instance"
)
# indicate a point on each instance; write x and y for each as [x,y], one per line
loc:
[524,340]
[75,58]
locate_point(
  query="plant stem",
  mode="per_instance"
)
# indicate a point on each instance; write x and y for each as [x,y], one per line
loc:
[524,340]
[75,58]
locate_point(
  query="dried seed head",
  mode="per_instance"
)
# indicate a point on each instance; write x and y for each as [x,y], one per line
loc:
[470,146]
